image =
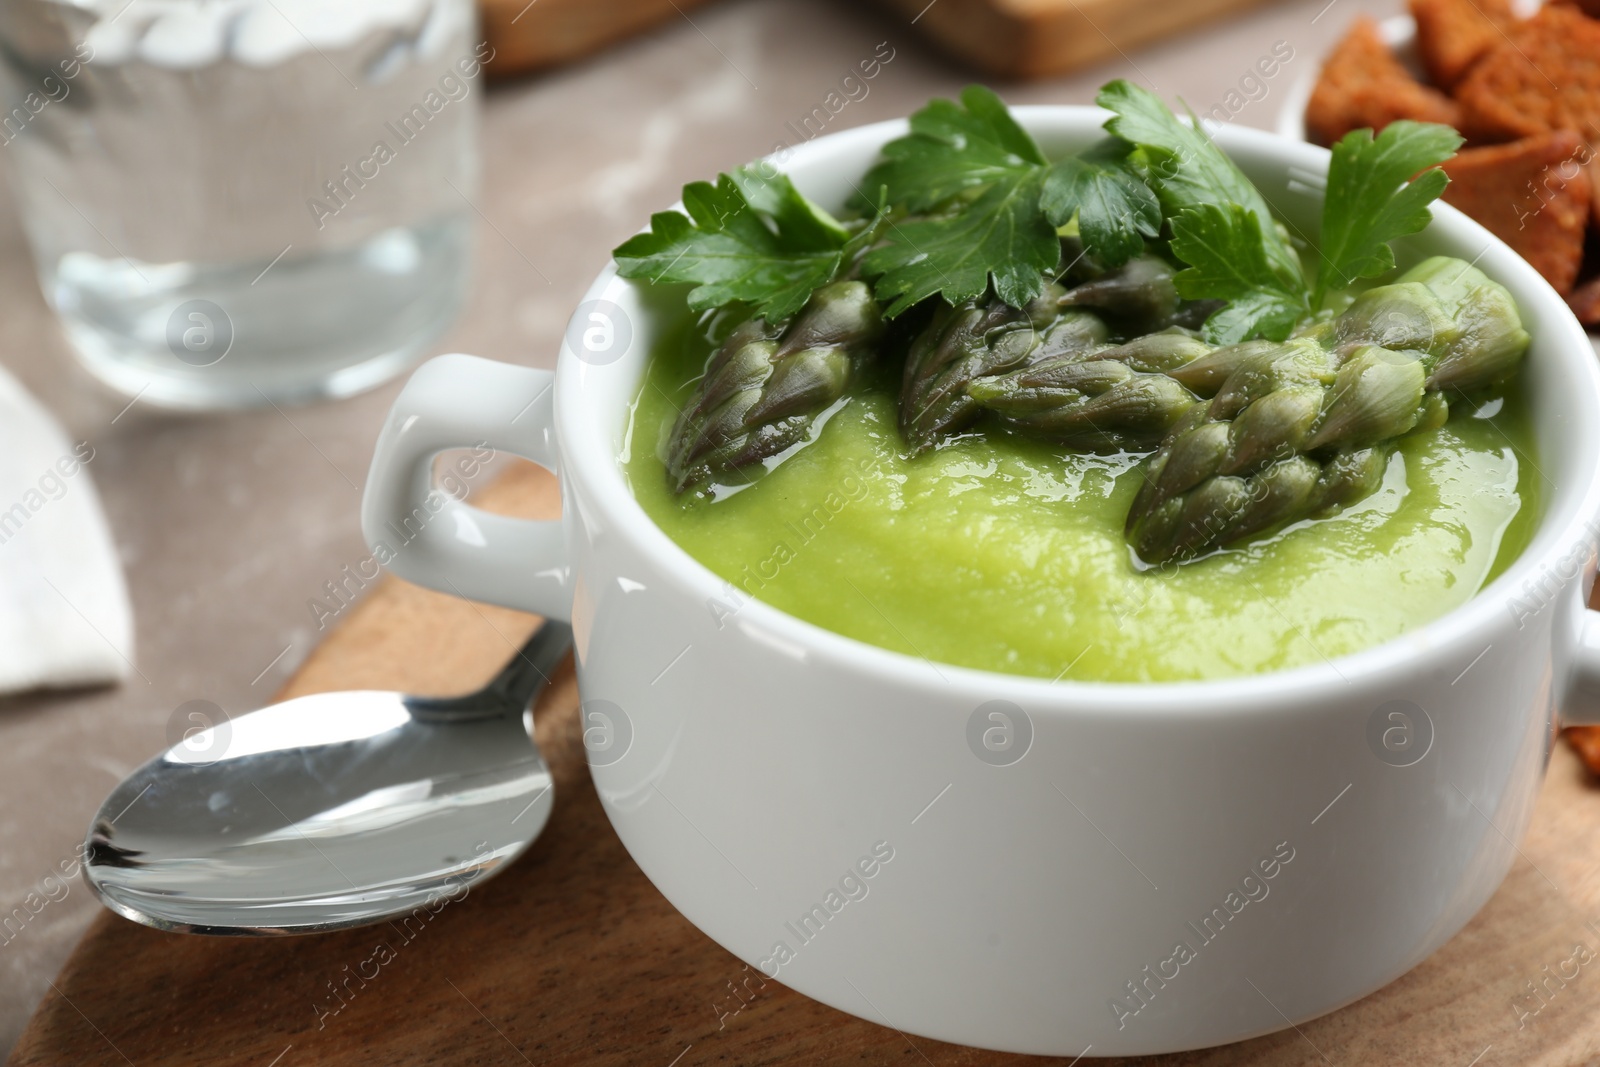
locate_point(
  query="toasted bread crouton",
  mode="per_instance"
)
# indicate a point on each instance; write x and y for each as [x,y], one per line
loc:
[1452,35]
[1585,741]
[1545,77]
[1585,303]
[1588,7]
[1533,194]
[1363,84]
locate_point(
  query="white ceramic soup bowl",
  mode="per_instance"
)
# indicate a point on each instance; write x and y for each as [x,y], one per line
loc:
[996,860]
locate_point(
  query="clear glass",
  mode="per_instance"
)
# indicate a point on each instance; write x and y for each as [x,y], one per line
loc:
[237,202]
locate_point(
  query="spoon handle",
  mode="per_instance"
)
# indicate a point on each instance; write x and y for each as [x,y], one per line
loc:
[509,692]
[530,669]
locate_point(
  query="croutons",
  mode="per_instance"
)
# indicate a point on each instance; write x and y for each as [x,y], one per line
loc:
[1363,84]
[1452,35]
[1545,77]
[1533,194]
[1585,741]
[1585,303]
[1534,83]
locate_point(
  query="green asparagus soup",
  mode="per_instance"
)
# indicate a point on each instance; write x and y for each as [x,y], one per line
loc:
[1001,552]
[1101,417]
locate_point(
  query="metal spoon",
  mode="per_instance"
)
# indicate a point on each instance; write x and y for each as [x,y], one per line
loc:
[332,810]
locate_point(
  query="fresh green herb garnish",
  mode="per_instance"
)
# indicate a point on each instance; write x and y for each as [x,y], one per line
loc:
[967,205]
[1190,174]
[747,238]
[953,149]
[980,175]
[1227,255]
[1115,209]
[1363,212]
[1186,168]
[1364,208]
[1001,237]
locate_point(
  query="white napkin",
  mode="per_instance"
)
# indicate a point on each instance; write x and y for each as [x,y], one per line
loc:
[64,615]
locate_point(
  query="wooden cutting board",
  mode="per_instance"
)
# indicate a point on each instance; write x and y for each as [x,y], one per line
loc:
[1042,38]
[1003,38]
[531,34]
[572,957]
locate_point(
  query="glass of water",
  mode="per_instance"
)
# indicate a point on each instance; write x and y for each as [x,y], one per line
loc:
[241,202]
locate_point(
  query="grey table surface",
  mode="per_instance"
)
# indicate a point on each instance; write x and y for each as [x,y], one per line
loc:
[229,525]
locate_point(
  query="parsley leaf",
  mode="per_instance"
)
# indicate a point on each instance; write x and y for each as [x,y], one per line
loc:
[868,233]
[1001,235]
[1188,170]
[1115,209]
[1227,256]
[747,238]
[952,149]
[803,224]
[1365,207]
[970,177]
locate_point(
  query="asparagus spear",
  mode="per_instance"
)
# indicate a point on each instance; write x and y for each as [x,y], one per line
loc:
[1114,399]
[1139,297]
[1488,341]
[764,387]
[975,339]
[1139,294]
[1295,429]
[1228,508]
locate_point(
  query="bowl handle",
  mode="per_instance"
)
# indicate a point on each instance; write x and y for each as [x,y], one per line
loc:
[427,536]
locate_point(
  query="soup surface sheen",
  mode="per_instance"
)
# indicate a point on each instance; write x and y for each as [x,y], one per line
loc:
[1006,554]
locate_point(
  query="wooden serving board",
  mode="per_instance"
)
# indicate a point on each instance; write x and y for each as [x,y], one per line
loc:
[1003,38]
[532,34]
[1042,38]
[572,957]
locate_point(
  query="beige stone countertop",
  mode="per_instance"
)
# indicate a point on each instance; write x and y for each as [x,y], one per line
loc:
[229,525]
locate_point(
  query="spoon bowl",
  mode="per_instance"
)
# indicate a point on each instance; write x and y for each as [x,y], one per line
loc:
[330,810]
